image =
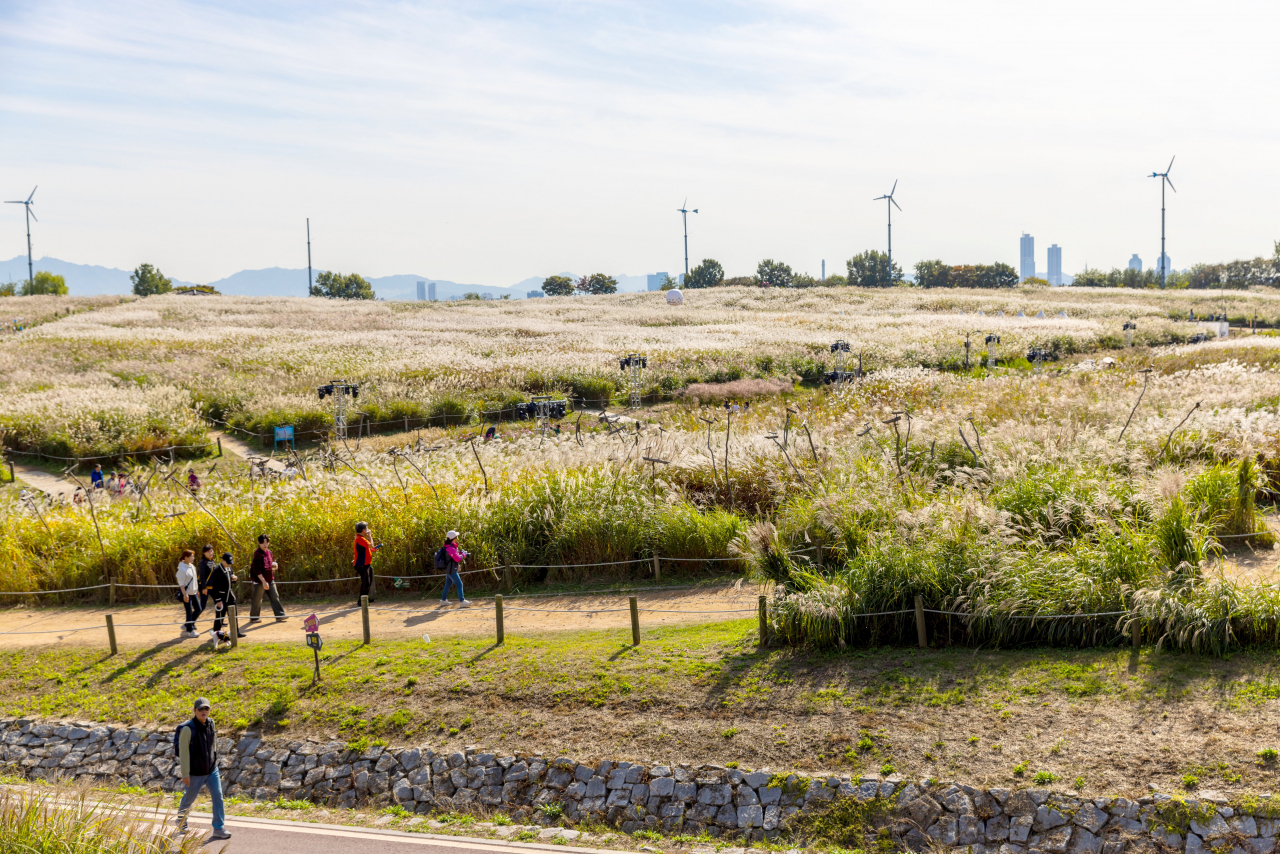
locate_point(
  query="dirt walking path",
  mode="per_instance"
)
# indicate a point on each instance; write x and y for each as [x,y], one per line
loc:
[242,449]
[389,618]
[47,483]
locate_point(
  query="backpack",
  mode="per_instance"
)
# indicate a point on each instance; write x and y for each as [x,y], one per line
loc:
[177,733]
[442,559]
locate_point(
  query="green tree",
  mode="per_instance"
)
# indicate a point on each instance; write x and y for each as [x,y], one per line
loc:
[7,289]
[871,270]
[708,274]
[45,283]
[668,284]
[337,286]
[597,283]
[148,280]
[741,282]
[835,280]
[996,275]
[557,286]
[933,274]
[773,274]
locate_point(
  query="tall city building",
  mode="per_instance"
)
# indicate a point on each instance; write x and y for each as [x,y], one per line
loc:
[1135,263]
[431,291]
[656,280]
[1164,265]
[1027,262]
[422,290]
[1055,265]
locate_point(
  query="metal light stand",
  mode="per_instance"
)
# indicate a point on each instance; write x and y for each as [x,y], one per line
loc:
[841,373]
[339,390]
[633,365]
[1129,326]
[991,351]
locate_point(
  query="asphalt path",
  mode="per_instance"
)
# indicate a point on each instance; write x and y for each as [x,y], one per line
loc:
[275,836]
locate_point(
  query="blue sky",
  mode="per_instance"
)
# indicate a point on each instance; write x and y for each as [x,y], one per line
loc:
[487,142]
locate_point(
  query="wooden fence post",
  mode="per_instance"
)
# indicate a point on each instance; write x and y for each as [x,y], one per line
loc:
[764,622]
[921,634]
[657,572]
[364,616]
[506,578]
[219,438]
[497,611]
[111,633]
[233,623]
[635,622]
[111,593]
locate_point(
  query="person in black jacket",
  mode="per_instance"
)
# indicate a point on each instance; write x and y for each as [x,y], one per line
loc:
[198,764]
[204,572]
[223,594]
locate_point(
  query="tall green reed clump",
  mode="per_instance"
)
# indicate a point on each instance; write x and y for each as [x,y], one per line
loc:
[36,823]
[580,516]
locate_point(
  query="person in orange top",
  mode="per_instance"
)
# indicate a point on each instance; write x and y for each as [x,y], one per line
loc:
[363,558]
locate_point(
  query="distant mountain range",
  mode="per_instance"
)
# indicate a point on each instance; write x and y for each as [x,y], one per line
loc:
[90,280]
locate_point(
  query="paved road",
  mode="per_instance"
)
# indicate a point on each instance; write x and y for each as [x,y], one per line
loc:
[273,836]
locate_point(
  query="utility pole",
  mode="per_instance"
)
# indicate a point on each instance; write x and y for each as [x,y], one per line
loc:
[310,287]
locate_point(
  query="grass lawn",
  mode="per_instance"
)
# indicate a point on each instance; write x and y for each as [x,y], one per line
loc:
[1100,720]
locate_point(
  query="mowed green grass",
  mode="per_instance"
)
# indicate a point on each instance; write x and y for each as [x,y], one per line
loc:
[396,690]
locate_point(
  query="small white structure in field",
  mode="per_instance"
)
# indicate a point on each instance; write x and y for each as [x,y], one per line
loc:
[1040,316]
[1020,313]
[674,297]
[1062,313]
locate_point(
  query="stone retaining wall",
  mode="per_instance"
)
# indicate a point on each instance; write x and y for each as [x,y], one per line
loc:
[713,799]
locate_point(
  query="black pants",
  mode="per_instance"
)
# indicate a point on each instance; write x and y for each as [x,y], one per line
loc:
[193,609]
[220,606]
[366,579]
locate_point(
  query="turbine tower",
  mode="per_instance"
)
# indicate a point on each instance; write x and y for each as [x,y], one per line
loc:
[684,216]
[31,276]
[1164,179]
[890,204]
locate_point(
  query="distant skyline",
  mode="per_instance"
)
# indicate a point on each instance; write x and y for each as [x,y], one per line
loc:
[489,142]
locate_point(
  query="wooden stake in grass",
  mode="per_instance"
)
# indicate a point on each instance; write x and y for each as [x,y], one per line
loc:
[1146,374]
[497,613]
[635,621]
[1176,429]
[482,471]
[214,516]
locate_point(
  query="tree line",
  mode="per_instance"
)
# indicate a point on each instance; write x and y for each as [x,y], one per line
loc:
[1238,275]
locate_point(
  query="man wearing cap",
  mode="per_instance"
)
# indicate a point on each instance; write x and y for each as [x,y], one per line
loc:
[198,760]
[362,559]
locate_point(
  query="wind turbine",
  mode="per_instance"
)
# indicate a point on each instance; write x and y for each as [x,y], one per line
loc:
[1164,176]
[31,276]
[684,216]
[889,201]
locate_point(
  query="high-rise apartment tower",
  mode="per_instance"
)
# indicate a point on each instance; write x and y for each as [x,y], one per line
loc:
[1055,265]
[1027,257]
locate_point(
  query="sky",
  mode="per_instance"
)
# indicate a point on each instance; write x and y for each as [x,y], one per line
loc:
[491,141]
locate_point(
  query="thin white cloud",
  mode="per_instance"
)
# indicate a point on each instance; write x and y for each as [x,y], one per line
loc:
[489,141]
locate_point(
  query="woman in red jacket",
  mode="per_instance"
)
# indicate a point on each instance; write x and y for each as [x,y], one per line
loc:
[363,558]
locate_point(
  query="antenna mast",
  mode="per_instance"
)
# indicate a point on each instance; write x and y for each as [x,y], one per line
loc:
[684,216]
[310,287]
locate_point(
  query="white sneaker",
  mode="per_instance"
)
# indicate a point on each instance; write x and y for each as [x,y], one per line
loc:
[221,833]
[191,634]
[465,603]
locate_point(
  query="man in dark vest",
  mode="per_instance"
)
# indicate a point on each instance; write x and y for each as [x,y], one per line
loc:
[197,743]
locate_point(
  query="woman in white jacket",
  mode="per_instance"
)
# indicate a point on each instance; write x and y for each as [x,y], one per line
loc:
[189,588]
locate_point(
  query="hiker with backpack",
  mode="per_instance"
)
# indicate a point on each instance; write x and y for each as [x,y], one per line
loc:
[196,745]
[448,558]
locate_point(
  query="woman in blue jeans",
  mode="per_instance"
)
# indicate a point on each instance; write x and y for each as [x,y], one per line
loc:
[454,556]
